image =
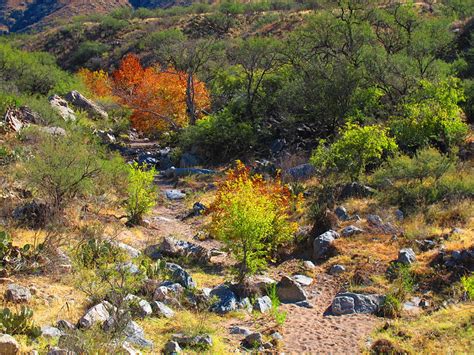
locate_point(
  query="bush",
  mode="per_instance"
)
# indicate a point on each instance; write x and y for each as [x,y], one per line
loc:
[252,217]
[87,50]
[353,151]
[20,322]
[391,306]
[141,192]
[63,167]
[279,316]
[219,137]
[468,284]
[95,252]
[425,178]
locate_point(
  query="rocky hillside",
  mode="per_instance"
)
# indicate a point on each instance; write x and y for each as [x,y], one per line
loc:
[17,16]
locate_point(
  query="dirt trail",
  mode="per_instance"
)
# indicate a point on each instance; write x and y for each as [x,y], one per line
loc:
[308,330]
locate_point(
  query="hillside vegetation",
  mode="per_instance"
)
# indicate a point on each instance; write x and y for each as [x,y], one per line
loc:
[290,177]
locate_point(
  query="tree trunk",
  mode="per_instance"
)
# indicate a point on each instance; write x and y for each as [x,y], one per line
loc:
[190,105]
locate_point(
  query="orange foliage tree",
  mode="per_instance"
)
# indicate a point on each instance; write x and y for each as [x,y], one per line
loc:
[157,98]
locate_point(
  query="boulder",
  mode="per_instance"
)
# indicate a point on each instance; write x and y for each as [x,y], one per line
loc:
[50,332]
[179,248]
[349,303]
[78,100]
[131,251]
[161,310]
[168,293]
[16,118]
[181,276]
[239,330]
[259,284]
[203,340]
[12,122]
[53,131]
[301,172]
[65,325]
[356,189]
[135,335]
[17,294]
[107,137]
[309,265]
[172,348]
[351,230]
[322,245]
[138,306]
[128,268]
[263,304]
[96,314]
[175,195]
[406,256]
[227,300]
[399,215]
[337,269]
[341,213]
[62,108]
[8,345]
[289,291]
[253,340]
[303,280]
[374,220]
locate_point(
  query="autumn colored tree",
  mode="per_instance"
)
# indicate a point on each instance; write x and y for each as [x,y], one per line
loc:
[157,98]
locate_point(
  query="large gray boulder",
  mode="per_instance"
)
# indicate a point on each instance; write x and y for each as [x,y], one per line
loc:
[203,340]
[78,100]
[62,108]
[263,304]
[322,245]
[227,300]
[168,293]
[289,291]
[97,314]
[161,310]
[8,345]
[341,213]
[172,348]
[349,303]
[17,294]
[135,335]
[351,230]
[181,276]
[175,195]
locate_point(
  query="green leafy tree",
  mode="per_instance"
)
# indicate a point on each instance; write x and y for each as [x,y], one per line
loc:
[355,148]
[141,192]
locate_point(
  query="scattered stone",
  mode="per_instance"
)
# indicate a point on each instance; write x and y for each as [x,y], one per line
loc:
[341,213]
[8,345]
[336,269]
[62,108]
[54,131]
[65,325]
[128,267]
[276,336]
[309,265]
[301,172]
[139,306]
[78,100]
[246,305]
[356,189]
[179,248]
[131,251]
[406,256]
[171,348]
[304,304]
[162,310]
[426,244]
[263,304]
[134,334]
[259,284]
[349,303]
[457,231]
[239,330]
[322,245]
[253,340]
[12,121]
[97,314]
[350,231]
[17,294]
[289,291]
[374,220]
[175,195]
[107,137]
[399,215]
[179,275]
[303,280]
[128,349]
[51,332]
[227,300]
[168,293]
[203,340]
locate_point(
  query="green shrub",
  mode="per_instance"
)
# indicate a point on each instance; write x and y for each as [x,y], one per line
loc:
[468,284]
[20,322]
[219,137]
[141,192]
[279,316]
[353,151]
[391,306]
[87,50]
[95,252]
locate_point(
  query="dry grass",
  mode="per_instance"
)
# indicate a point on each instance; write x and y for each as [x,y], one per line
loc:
[446,331]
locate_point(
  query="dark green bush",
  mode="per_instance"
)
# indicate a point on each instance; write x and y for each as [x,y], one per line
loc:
[88,50]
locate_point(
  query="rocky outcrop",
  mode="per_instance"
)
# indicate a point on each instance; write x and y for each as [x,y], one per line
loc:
[17,294]
[406,256]
[227,299]
[289,291]
[349,303]
[62,108]
[8,345]
[181,276]
[97,314]
[79,101]
[322,245]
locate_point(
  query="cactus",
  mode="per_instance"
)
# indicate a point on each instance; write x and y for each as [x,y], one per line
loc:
[20,322]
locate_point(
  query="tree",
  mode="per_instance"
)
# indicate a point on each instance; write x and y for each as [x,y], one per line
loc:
[252,217]
[157,98]
[351,153]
